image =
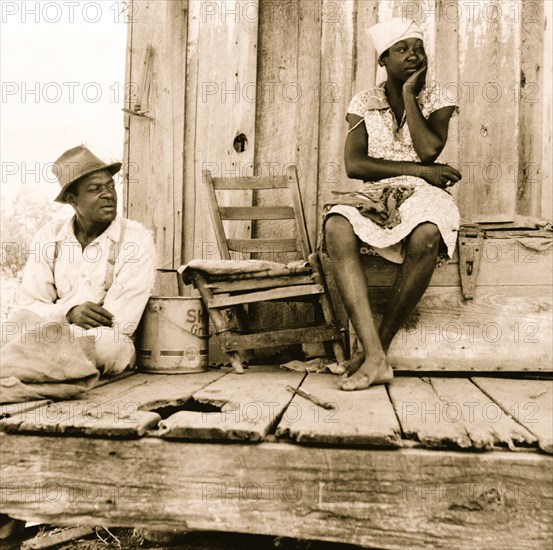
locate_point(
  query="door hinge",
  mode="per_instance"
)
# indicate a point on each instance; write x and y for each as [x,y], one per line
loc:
[471,241]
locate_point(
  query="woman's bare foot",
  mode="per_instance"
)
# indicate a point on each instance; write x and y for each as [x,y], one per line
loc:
[370,373]
[352,365]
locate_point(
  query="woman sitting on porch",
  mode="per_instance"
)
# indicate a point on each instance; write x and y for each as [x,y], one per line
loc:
[405,129]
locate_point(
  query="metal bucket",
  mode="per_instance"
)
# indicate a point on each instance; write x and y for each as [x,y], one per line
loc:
[173,336]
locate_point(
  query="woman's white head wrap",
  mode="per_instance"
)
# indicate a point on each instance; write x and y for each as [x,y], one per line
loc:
[393,30]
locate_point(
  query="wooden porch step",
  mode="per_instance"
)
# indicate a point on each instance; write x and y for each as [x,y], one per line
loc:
[121,409]
[454,413]
[394,499]
[250,406]
[477,414]
[529,402]
[359,418]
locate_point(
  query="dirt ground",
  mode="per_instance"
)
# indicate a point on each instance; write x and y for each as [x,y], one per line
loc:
[129,539]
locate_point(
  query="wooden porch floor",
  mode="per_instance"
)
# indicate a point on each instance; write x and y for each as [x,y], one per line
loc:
[429,462]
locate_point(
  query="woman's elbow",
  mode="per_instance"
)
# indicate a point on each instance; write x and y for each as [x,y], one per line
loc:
[353,173]
[429,157]
[355,168]
[430,153]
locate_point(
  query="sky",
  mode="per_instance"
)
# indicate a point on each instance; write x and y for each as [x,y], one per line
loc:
[62,72]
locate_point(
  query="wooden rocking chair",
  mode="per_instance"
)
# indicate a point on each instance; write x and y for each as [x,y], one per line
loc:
[226,286]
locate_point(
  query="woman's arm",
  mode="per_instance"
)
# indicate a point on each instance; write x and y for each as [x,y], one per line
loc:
[360,166]
[429,136]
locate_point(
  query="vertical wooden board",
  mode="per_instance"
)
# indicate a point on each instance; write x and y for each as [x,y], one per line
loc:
[489,59]
[225,108]
[125,171]
[125,407]
[287,127]
[530,402]
[312,19]
[483,419]
[191,190]
[337,50]
[278,94]
[547,99]
[531,83]
[288,90]
[432,416]
[155,178]
[364,55]
[359,418]
[249,406]
[446,63]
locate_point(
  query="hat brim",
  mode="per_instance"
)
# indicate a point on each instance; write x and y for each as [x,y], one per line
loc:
[111,168]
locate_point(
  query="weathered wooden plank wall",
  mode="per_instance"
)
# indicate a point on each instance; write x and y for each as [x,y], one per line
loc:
[225,65]
[154,144]
[546,182]
[210,82]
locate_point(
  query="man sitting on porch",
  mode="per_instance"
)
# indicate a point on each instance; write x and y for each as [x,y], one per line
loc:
[91,274]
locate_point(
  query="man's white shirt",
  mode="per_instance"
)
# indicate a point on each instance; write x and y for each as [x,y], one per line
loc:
[59,274]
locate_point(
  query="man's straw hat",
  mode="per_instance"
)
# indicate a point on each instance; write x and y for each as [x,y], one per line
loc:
[76,163]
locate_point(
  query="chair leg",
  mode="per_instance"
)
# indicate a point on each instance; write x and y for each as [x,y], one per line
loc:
[221,324]
[326,304]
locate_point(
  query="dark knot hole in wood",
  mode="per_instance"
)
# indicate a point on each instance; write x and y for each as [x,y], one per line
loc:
[240,143]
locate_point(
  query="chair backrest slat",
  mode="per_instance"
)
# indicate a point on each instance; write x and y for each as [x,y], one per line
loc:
[275,246]
[250,182]
[257,212]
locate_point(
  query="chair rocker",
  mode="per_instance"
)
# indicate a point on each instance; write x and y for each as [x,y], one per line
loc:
[226,285]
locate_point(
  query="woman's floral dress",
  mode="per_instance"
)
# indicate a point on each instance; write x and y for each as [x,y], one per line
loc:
[427,203]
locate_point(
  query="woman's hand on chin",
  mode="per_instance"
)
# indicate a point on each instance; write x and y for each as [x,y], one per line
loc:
[414,84]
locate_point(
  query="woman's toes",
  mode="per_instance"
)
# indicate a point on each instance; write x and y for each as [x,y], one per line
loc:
[358,381]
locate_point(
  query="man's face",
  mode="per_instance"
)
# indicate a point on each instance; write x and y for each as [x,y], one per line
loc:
[94,197]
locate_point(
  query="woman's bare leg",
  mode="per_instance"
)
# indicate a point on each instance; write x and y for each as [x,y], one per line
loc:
[350,279]
[412,279]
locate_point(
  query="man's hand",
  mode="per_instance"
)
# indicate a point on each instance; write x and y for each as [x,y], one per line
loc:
[415,83]
[440,175]
[90,315]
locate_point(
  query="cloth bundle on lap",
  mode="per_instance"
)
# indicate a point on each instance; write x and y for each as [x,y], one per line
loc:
[379,203]
[44,360]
